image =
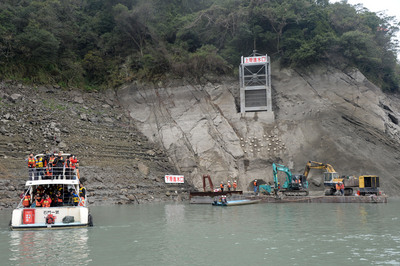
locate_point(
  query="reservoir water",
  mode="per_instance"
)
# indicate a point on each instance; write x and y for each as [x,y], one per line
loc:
[184,234]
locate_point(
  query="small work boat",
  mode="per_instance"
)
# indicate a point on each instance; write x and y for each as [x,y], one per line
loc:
[53,198]
[235,202]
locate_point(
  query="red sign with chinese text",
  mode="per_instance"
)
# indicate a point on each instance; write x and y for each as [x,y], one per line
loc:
[255,60]
[174,179]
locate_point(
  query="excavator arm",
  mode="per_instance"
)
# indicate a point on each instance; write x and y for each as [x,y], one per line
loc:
[282,168]
[290,188]
[317,165]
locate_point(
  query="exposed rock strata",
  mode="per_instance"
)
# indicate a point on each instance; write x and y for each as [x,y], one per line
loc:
[326,115]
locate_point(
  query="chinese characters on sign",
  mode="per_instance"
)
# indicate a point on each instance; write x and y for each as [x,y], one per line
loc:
[258,59]
[51,212]
[174,179]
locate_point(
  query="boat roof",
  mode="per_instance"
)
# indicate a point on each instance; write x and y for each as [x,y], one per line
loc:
[52,182]
[55,153]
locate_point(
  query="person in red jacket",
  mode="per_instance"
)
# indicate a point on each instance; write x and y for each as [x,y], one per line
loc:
[73,161]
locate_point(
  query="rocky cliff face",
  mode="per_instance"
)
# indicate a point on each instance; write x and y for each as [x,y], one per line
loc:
[326,115]
[128,139]
[117,162]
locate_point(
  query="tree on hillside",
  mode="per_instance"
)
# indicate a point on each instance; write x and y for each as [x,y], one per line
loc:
[135,23]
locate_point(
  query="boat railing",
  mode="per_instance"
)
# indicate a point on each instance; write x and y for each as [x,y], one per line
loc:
[51,173]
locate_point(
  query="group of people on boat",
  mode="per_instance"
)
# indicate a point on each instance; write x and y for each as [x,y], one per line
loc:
[54,196]
[53,166]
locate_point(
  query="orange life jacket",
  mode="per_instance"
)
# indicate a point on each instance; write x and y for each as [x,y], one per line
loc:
[48,171]
[234,185]
[27,201]
[67,163]
[39,203]
[58,199]
[82,203]
[229,185]
[221,186]
[46,203]
[342,186]
[31,162]
[255,183]
[337,187]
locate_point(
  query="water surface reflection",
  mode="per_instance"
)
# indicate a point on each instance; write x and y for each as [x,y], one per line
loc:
[49,247]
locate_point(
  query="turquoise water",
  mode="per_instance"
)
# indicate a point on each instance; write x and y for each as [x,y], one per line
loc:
[184,234]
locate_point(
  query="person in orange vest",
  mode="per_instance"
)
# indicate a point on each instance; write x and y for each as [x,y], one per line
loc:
[27,201]
[49,172]
[229,185]
[38,201]
[255,186]
[46,201]
[222,187]
[51,160]
[337,186]
[31,165]
[342,188]
[58,201]
[234,185]
[50,165]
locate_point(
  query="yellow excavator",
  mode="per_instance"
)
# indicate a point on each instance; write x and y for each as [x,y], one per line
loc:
[331,177]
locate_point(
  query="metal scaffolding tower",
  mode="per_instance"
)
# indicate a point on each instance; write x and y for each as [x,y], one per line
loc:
[255,83]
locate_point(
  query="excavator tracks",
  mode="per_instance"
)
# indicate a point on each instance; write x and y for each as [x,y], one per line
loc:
[296,193]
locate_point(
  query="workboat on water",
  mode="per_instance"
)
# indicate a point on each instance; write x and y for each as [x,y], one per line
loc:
[223,202]
[54,197]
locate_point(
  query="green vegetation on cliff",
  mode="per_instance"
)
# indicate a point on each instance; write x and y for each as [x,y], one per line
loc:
[109,42]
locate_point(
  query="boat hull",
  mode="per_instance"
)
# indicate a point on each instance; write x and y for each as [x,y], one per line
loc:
[235,202]
[25,227]
[35,218]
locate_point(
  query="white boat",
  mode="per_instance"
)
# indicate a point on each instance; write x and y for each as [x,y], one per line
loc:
[65,212]
[235,202]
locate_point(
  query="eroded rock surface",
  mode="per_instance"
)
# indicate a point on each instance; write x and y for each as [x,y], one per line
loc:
[326,115]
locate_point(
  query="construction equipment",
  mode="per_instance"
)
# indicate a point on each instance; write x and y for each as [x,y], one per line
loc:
[331,178]
[293,186]
[368,184]
[209,181]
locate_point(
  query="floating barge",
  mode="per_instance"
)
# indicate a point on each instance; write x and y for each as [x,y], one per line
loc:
[325,199]
[209,197]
